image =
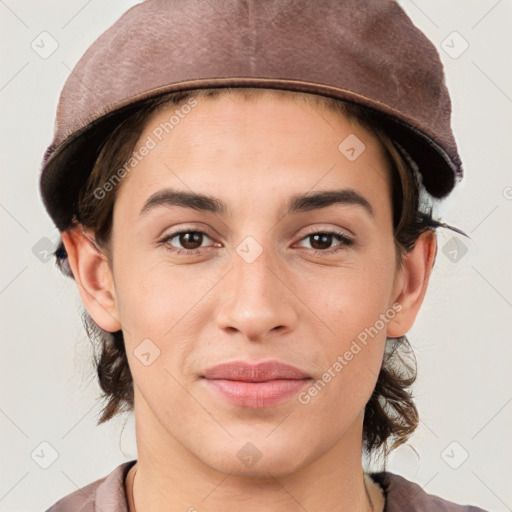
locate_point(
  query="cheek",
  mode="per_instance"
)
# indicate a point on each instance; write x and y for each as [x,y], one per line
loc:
[352,298]
[165,303]
[145,299]
[356,305]
[357,312]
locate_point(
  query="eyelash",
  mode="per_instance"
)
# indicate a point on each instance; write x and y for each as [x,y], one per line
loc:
[345,240]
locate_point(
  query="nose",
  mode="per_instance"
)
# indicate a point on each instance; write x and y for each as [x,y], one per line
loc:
[257,299]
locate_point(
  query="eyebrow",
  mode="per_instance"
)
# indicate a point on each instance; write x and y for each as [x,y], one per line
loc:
[297,204]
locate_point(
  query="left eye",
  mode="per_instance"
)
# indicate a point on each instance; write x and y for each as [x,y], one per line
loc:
[322,238]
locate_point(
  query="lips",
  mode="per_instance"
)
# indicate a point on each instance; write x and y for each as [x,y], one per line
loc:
[255,385]
[243,371]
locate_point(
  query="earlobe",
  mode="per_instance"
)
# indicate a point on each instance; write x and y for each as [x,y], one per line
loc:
[417,266]
[93,277]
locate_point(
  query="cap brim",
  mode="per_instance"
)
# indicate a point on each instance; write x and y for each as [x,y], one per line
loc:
[67,168]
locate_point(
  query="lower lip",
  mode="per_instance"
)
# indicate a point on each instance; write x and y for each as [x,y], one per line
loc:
[256,394]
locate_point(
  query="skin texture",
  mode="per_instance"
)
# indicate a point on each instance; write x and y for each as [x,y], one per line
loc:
[296,307]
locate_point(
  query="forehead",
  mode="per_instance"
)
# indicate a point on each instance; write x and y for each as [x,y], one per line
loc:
[281,145]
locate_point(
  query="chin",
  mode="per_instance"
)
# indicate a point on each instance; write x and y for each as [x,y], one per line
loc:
[277,465]
[256,458]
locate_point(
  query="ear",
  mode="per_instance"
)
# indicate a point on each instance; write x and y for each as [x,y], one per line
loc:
[412,283]
[93,277]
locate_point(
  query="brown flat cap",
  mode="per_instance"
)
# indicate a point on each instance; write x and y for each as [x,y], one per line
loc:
[363,51]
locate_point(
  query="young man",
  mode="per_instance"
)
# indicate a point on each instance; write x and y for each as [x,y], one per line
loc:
[251,247]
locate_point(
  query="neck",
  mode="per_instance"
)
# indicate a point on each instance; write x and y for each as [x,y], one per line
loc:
[168,476]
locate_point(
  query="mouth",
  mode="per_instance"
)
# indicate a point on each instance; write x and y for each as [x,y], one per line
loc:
[255,385]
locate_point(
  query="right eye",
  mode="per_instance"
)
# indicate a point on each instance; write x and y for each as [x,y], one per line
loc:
[190,240]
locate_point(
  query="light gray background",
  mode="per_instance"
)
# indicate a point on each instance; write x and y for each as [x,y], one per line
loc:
[462,338]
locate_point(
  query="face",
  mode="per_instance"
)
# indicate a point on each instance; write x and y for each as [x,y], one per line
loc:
[259,272]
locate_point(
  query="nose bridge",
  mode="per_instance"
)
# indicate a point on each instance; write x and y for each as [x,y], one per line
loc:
[255,269]
[257,298]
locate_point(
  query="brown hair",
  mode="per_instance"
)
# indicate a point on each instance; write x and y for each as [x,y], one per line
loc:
[390,414]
